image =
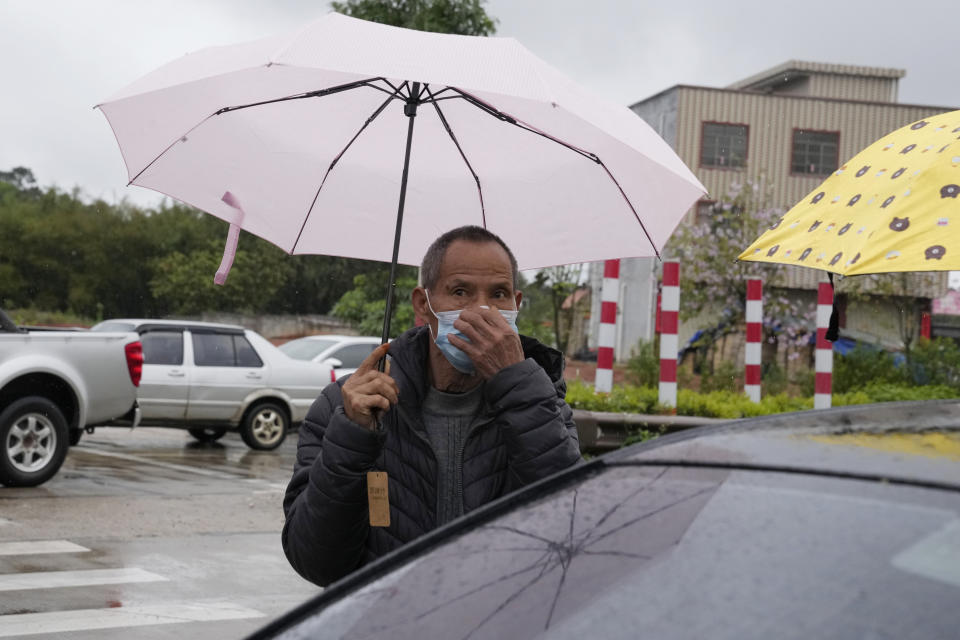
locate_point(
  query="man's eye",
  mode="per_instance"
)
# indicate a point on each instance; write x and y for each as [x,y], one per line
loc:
[459,292]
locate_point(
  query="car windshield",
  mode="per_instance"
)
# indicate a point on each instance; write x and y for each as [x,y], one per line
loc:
[306,348]
[680,553]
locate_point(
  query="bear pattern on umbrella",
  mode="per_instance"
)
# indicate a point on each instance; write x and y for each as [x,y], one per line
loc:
[895,203]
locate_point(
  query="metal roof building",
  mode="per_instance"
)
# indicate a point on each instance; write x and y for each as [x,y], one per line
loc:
[788,128]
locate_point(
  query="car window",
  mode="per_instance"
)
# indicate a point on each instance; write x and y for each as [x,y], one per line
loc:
[352,355]
[162,347]
[306,348]
[246,355]
[679,553]
[213,350]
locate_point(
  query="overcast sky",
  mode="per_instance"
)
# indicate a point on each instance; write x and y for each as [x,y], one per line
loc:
[60,57]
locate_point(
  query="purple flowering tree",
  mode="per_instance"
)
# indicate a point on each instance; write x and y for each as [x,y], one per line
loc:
[714,283]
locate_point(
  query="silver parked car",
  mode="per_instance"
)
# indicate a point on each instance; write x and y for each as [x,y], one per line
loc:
[210,378]
[343,353]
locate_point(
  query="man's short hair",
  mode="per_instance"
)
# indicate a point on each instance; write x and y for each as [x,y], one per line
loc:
[433,259]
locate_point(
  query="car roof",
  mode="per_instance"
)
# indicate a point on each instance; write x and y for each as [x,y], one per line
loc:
[340,337]
[144,324]
[917,442]
[866,443]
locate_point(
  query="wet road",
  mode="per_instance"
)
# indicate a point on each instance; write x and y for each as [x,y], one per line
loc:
[149,534]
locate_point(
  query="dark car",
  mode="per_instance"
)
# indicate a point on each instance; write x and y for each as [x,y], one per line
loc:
[842,523]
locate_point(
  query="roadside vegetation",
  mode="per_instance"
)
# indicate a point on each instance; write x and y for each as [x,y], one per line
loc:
[865,375]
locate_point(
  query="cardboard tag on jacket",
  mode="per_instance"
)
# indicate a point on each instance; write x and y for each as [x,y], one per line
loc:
[378,498]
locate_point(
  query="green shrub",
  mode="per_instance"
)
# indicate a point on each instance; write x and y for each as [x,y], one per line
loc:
[774,379]
[643,367]
[622,399]
[805,381]
[850,398]
[32,316]
[642,435]
[865,365]
[731,405]
[898,393]
[725,377]
[935,362]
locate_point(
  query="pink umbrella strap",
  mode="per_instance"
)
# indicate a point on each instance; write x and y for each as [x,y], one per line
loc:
[233,237]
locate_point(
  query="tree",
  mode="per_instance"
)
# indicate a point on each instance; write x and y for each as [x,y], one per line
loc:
[364,306]
[562,283]
[183,283]
[463,17]
[714,283]
[21,178]
[536,310]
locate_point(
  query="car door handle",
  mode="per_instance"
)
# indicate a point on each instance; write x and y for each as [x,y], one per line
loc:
[176,374]
[254,376]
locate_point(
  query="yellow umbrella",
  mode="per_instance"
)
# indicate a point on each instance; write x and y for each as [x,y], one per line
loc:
[894,207]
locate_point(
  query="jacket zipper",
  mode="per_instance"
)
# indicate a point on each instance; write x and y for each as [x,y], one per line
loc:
[458,480]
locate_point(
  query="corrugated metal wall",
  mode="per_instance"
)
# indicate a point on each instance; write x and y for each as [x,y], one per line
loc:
[853,87]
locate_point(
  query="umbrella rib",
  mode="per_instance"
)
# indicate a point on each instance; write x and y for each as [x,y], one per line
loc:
[373,116]
[319,93]
[476,178]
[169,146]
[310,94]
[506,117]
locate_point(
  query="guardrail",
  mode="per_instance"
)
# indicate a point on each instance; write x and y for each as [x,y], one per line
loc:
[603,431]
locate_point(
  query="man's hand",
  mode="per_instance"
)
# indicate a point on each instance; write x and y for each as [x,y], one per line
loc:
[493,343]
[368,392]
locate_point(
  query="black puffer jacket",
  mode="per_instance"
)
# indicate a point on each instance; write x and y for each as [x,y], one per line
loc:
[525,432]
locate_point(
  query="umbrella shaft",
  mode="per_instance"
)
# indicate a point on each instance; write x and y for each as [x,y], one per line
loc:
[410,109]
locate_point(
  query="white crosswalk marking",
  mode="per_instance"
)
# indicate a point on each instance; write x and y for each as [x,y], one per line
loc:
[129,615]
[56,579]
[39,546]
[24,624]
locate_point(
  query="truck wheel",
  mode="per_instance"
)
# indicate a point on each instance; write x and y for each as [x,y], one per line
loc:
[207,434]
[33,442]
[265,426]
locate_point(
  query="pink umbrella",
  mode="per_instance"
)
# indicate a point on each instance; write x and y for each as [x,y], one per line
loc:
[297,139]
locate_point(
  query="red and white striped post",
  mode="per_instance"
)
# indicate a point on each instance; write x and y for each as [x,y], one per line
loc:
[823,387]
[608,326]
[752,357]
[669,319]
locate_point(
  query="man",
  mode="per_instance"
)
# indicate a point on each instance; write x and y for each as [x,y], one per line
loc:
[469,411]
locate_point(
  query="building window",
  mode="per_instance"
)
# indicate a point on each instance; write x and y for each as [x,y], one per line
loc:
[815,153]
[724,145]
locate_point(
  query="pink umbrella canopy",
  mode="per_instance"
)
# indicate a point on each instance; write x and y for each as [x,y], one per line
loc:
[307,132]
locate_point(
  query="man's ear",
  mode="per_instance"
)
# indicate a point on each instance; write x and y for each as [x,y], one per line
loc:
[420,308]
[519,297]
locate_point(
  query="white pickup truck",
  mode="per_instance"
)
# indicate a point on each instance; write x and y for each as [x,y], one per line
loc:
[53,385]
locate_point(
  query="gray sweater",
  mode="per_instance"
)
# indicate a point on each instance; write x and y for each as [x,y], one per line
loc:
[447,417]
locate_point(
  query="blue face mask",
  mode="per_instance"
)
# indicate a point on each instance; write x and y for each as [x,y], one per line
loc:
[445,319]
